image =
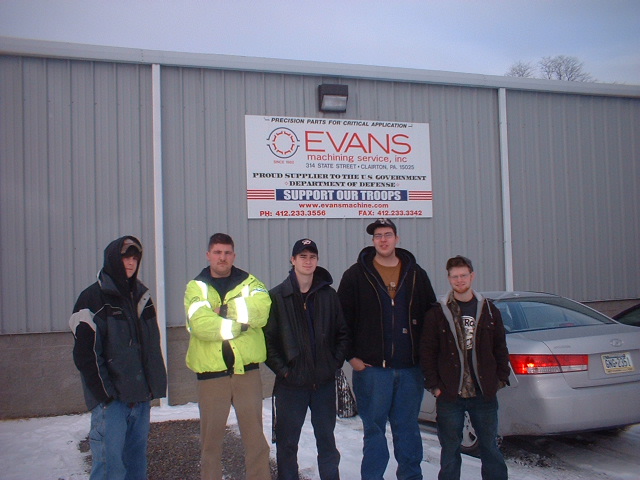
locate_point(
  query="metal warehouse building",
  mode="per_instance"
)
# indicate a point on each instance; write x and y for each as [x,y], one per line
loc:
[537,181]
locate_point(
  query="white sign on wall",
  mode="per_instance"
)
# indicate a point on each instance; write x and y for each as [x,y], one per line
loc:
[337,168]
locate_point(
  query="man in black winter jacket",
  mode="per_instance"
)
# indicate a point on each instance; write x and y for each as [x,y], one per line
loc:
[384,297]
[117,351]
[306,343]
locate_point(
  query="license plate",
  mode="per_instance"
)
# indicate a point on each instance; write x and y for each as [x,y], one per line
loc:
[617,362]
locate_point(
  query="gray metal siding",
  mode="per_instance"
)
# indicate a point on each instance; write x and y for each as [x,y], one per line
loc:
[75,171]
[575,183]
[205,179]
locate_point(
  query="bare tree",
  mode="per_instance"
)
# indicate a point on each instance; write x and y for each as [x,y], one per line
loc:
[521,69]
[560,67]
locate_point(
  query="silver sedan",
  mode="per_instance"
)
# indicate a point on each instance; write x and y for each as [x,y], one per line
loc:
[573,369]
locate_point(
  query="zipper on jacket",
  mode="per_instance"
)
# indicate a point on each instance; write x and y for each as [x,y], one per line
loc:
[375,290]
[137,323]
[393,319]
[393,314]
[393,326]
[413,289]
[130,318]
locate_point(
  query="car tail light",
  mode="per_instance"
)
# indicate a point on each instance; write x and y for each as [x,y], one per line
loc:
[539,364]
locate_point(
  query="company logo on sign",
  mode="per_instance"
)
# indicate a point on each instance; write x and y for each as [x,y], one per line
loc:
[283,143]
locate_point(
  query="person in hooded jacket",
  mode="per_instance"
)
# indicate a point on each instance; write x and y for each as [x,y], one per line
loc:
[465,361]
[117,351]
[384,297]
[307,342]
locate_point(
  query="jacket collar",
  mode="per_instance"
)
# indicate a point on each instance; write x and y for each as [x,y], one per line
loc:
[445,300]
[237,276]
[109,286]
[321,278]
[448,298]
[367,254]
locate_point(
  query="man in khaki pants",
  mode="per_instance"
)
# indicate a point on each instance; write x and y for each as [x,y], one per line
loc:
[226,309]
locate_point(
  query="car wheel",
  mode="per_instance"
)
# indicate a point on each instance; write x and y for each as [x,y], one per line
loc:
[469,439]
[470,444]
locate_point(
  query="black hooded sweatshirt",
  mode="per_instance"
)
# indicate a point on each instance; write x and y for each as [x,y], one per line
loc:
[385,332]
[117,340]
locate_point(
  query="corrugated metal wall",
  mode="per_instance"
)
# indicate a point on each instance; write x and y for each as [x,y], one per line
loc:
[204,160]
[575,183]
[76,172]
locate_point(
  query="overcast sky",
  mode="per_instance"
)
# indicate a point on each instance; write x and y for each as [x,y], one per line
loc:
[479,36]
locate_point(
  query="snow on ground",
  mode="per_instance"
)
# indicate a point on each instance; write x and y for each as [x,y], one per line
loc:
[47,449]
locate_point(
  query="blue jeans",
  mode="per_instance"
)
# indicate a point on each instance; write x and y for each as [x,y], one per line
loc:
[118,439]
[484,418]
[394,395]
[291,410]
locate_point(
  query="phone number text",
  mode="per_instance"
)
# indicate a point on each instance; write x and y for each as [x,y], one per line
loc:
[293,213]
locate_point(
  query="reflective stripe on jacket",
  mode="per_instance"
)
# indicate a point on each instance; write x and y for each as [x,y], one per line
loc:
[247,304]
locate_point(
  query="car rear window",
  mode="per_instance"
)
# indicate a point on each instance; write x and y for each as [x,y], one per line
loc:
[528,314]
[630,317]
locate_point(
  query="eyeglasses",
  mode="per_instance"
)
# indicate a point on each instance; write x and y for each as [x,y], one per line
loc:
[379,236]
[459,277]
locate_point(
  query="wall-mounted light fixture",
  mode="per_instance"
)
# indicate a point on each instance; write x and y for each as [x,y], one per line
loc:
[333,97]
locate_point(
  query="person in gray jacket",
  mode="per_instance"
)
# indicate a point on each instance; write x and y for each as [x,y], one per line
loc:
[307,342]
[465,361]
[117,351]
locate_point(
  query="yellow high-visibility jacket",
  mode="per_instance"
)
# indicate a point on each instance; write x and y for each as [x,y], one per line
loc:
[245,311]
